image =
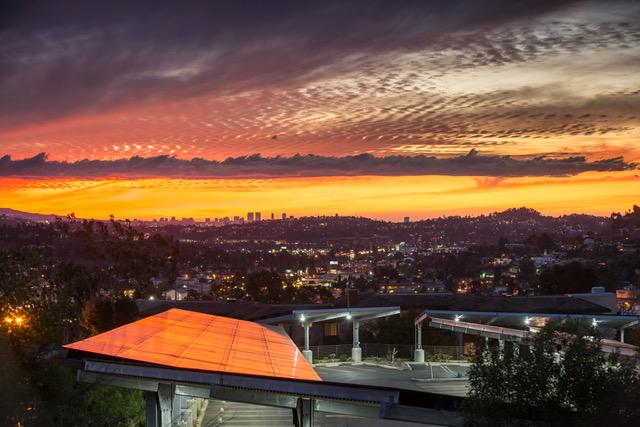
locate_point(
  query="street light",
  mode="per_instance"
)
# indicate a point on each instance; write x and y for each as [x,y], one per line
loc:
[15,320]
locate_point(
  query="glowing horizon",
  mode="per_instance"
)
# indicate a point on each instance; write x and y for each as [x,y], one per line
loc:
[389,198]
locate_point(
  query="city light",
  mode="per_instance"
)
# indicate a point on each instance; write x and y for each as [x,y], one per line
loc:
[348,316]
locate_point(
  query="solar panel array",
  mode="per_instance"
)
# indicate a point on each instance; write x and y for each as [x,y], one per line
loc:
[191,340]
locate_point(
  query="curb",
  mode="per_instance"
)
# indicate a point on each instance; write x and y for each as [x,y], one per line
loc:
[438,380]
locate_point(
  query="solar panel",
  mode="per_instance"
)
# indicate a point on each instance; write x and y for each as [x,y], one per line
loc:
[190,340]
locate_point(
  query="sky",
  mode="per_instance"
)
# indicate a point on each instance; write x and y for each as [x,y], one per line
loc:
[374,108]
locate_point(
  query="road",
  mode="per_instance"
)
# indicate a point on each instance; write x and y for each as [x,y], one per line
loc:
[446,377]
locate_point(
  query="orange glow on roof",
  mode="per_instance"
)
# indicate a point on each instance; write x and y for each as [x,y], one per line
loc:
[190,340]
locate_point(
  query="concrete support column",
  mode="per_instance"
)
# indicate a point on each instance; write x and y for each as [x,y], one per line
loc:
[622,335]
[153,409]
[308,354]
[418,355]
[165,405]
[501,345]
[303,413]
[459,344]
[356,351]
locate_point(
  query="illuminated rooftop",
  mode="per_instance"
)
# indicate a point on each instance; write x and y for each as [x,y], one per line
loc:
[190,340]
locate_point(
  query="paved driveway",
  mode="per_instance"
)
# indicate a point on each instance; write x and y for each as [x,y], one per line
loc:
[445,376]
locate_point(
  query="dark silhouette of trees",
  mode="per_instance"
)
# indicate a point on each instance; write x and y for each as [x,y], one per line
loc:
[527,270]
[542,241]
[561,378]
[572,277]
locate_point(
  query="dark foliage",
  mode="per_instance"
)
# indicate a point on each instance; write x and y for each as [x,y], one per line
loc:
[561,378]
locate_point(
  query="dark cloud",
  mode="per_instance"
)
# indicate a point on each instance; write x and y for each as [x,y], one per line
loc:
[256,166]
[64,57]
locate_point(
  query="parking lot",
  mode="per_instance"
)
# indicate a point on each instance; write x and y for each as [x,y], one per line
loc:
[447,378]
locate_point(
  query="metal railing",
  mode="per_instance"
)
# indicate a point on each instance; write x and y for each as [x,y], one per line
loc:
[383,351]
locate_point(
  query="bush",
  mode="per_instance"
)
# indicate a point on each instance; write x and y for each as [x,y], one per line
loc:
[344,357]
[562,379]
[439,357]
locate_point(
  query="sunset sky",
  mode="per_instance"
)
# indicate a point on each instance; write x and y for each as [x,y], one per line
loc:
[374,108]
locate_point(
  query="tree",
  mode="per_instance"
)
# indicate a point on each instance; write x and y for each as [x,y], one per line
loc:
[102,314]
[400,330]
[15,392]
[527,270]
[561,377]
[567,278]
[543,241]
[66,403]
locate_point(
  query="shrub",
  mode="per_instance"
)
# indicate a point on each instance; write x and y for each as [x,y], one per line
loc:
[561,378]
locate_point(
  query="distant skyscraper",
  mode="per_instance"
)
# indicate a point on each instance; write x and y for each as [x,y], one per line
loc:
[284,215]
[258,216]
[406,220]
[273,216]
[249,216]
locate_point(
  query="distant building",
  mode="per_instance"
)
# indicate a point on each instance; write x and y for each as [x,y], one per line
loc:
[257,216]
[249,216]
[175,294]
[207,220]
[284,215]
[273,216]
[407,220]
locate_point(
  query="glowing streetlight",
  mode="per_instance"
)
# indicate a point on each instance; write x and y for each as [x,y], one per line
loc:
[15,320]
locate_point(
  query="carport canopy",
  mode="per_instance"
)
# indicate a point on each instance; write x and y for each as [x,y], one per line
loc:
[532,319]
[307,317]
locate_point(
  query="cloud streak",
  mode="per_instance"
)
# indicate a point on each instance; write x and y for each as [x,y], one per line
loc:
[256,166]
[58,58]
